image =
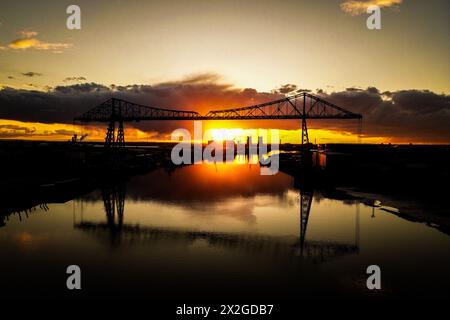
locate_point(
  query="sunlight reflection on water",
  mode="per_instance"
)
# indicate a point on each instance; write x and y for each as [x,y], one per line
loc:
[226,228]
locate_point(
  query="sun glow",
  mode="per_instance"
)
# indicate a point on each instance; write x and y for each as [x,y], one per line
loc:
[12,129]
[286,136]
[237,134]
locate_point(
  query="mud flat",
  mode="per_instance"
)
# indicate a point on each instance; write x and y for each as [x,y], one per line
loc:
[407,209]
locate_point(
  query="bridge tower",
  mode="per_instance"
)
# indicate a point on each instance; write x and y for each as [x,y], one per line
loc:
[110,134]
[112,139]
[120,142]
[305,147]
[305,138]
[113,113]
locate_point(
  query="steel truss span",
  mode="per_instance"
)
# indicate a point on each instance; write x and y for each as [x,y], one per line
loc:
[300,106]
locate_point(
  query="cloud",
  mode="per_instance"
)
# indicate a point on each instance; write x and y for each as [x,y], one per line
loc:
[26,130]
[61,104]
[10,77]
[17,128]
[355,8]
[15,131]
[32,74]
[409,115]
[287,88]
[406,115]
[32,43]
[202,78]
[82,88]
[29,41]
[68,79]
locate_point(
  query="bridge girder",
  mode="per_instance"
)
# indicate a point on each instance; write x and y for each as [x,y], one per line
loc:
[123,111]
[299,106]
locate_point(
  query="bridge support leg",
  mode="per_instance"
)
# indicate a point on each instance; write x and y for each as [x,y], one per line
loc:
[306,160]
[113,140]
[110,138]
[305,138]
[120,135]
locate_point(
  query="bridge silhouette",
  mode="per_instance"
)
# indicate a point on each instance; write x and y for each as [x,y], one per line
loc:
[301,106]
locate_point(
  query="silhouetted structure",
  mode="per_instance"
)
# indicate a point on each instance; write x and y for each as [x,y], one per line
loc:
[300,106]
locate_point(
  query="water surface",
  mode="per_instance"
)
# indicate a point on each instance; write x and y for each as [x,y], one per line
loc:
[214,232]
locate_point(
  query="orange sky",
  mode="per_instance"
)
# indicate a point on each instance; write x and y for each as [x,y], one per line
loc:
[63,132]
[256,44]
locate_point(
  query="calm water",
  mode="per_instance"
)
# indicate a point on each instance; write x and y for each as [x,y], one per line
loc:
[211,232]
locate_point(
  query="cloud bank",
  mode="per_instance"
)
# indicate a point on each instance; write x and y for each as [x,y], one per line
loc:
[406,115]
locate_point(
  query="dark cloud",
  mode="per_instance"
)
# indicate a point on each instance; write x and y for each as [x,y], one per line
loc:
[62,103]
[32,74]
[10,77]
[82,88]
[287,88]
[69,79]
[353,89]
[409,115]
[373,90]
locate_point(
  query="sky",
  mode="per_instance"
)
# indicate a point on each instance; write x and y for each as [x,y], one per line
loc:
[214,54]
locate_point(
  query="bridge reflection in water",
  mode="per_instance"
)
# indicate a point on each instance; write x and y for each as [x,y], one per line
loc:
[120,233]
